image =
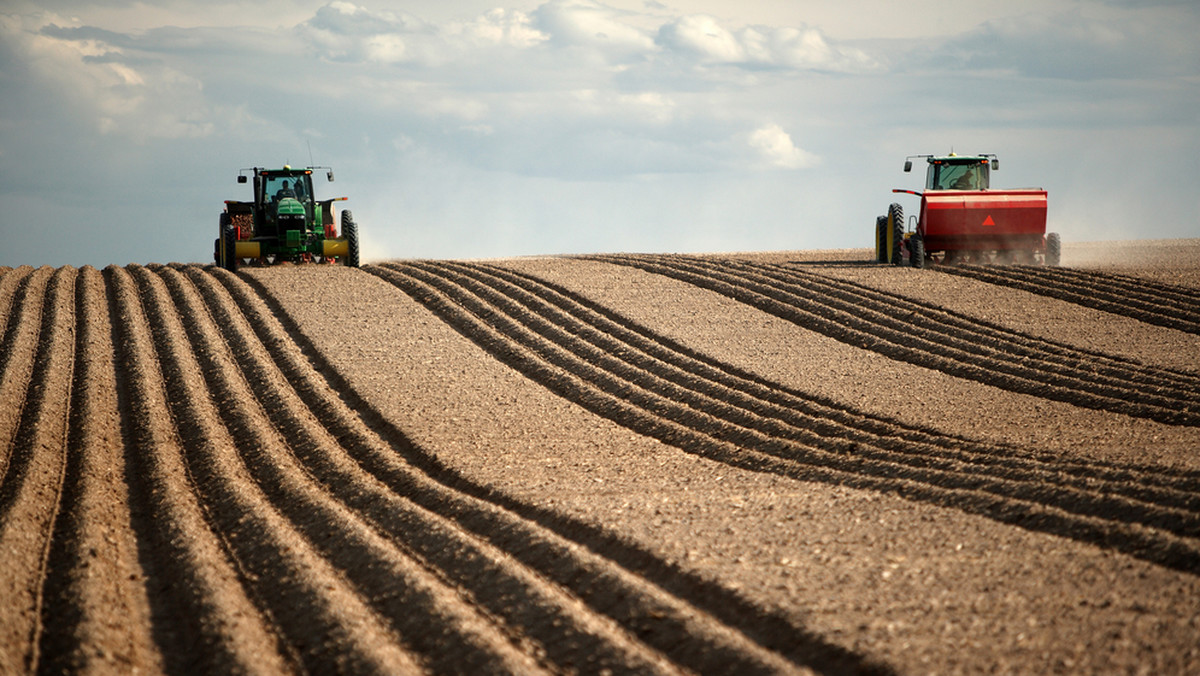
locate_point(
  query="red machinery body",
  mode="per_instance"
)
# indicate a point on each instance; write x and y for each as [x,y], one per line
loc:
[976,220]
[963,220]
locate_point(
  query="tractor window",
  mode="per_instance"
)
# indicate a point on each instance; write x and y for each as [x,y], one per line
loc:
[972,176]
[278,187]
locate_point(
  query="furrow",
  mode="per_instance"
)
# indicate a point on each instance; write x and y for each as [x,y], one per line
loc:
[1162,305]
[10,283]
[635,598]
[1146,290]
[17,352]
[32,485]
[549,621]
[700,431]
[969,360]
[1139,285]
[626,340]
[96,615]
[203,619]
[630,356]
[338,631]
[428,616]
[1001,344]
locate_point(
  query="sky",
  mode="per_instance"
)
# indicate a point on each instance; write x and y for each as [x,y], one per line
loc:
[494,128]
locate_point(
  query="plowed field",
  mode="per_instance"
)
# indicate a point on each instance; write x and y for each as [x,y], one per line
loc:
[745,463]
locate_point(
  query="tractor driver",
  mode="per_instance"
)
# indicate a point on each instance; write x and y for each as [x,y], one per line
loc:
[285,191]
[967,181]
[973,178]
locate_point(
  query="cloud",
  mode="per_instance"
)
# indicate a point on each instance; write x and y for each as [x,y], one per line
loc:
[776,147]
[705,40]
[500,27]
[576,89]
[342,31]
[1075,46]
[345,18]
[98,82]
[702,37]
[585,23]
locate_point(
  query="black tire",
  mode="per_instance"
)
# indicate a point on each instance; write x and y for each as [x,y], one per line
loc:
[228,255]
[881,239]
[895,224]
[1053,249]
[221,226]
[350,232]
[916,246]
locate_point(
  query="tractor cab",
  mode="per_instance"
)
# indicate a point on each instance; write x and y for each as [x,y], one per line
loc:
[953,172]
[284,200]
[294,184]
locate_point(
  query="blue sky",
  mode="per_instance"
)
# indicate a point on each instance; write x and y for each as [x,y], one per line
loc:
[481,128]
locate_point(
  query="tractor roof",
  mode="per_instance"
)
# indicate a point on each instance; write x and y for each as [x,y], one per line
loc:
[285,171]
[956,159]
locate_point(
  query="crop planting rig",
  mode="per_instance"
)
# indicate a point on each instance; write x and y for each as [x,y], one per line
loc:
[962,219]
[284,223]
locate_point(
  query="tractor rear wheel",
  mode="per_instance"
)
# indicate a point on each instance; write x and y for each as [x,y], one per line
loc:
[895,233]
[229,254]
[881,239]
[916,250]
[1053,249]
[350,232]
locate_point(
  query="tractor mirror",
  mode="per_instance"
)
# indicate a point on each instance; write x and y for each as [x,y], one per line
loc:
[241,178]
[907,165]
[329,175]
[995,164]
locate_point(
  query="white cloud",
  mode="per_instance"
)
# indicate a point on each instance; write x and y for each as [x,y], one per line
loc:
[500,26]
[704,39]
[776,147]
[592,26]
[801,48]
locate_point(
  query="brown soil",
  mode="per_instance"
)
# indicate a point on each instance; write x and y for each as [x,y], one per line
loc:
[762,462]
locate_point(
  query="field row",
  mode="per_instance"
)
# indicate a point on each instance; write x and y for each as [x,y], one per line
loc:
[1154,303]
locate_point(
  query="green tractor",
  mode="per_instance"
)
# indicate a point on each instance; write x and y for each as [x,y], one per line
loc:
[284,223]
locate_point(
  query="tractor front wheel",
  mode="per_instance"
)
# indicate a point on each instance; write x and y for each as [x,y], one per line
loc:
[881,239]
[229,254]
[916,251]
[350,232]
[895,233]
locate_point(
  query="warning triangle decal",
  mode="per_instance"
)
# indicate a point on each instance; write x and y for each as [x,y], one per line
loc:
[988,220]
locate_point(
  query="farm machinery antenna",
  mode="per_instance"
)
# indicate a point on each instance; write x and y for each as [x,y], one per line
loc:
[284,223]
[962,219]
